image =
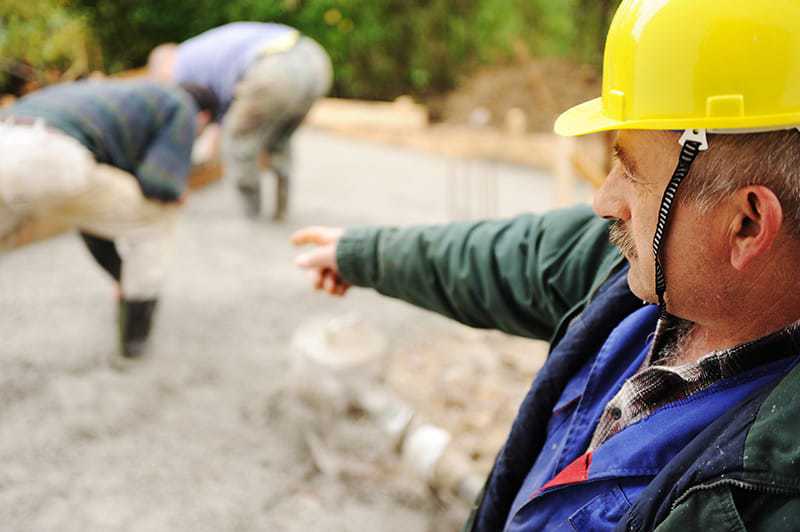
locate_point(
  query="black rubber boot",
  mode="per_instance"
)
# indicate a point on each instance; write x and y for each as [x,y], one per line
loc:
[135,321]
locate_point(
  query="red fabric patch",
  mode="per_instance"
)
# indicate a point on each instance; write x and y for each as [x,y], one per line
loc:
[577,471]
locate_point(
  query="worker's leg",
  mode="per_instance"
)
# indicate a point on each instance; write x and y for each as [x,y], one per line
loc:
[113,208]
[271,101]
[146,254]
[258,99]
[105,253]
[280,160]
[312,76]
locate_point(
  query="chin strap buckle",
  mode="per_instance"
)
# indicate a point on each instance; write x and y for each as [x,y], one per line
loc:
[693,141]
[695,135]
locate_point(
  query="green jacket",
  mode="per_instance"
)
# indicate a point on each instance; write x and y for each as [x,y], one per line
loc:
[531,276]
[523,276]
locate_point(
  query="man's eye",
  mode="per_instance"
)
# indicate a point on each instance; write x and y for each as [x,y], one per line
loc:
[626,174]
[623,170]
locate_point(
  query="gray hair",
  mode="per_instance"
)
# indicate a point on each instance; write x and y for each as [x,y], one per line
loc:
[735,161]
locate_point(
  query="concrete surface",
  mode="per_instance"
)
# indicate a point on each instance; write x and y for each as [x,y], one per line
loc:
[200,436]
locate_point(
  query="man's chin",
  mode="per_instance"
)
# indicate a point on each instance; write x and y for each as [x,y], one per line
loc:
[645,293]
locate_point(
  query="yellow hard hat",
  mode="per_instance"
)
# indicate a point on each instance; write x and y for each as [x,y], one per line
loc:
[697,64]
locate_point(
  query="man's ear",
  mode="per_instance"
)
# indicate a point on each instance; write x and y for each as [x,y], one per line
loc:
[757,220]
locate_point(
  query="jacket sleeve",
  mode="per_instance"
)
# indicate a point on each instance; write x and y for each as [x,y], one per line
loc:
[163,169]
[520,275]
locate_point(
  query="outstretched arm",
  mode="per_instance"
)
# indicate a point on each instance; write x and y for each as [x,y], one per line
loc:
[520,275]
[165,166]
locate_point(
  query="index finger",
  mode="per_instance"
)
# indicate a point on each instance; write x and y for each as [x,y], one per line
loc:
[315,234]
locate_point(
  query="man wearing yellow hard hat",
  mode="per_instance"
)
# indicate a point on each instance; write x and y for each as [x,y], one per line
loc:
[671,396]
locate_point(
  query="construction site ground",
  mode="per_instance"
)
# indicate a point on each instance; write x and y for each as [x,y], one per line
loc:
[207,433]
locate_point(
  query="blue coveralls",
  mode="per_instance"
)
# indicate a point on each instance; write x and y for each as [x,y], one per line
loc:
[570,489]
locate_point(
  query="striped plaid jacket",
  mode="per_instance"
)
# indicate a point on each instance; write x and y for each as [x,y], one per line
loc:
[140,127]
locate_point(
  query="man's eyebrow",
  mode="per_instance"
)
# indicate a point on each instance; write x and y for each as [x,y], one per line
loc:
[625,158]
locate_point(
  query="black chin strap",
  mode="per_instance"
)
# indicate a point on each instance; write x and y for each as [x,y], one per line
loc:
[688,154]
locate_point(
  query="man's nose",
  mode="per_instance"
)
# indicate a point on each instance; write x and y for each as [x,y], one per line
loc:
[609,200]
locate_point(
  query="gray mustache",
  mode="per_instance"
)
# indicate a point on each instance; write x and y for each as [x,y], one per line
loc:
[620,236]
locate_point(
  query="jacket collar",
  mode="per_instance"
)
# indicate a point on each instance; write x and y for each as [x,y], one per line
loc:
[755,442]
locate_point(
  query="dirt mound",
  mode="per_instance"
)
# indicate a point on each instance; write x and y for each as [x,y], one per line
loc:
[542,88]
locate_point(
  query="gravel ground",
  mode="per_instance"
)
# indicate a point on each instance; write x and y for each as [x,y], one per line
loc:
[204,434]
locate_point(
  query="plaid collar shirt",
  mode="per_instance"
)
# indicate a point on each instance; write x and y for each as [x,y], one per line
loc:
[657,384]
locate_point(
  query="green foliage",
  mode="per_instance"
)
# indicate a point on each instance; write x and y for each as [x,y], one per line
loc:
[574,28]
[592,18]
[380,48]
[44,39]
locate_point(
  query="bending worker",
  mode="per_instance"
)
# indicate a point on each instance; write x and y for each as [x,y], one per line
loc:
[266,77]
[111,159]
[670,397]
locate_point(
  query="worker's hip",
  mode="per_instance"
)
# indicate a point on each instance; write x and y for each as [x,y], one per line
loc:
[39,166]
[281,84]
[48,175]
[112,205]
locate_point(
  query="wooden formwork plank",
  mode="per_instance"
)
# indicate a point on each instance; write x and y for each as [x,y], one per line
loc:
[336,113]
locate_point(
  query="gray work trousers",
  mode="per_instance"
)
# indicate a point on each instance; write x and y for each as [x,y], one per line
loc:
[273,97]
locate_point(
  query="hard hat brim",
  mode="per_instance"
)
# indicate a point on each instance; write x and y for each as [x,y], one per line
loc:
[585,118]
[588,117]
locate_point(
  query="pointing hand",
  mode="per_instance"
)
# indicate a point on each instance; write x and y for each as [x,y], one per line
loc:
[321,261]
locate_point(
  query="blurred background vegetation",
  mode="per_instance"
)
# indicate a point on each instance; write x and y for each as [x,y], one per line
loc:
[380,48]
